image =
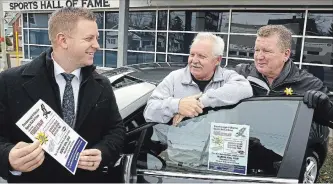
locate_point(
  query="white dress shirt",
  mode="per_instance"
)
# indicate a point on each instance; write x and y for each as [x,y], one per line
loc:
[62,82]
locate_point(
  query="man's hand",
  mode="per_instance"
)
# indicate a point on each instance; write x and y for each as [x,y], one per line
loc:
[190,106]
[90,159]
[25,157]
[317,99]
[176,119]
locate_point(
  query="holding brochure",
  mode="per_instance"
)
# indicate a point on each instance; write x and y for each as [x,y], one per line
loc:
[55,136]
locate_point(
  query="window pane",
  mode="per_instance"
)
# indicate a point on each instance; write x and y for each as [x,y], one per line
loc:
[180,42]
[142,20]
[318,51]
[25,20]
[323,73]
[39,37]
[250,22]
[162,20]
[177,58]
[144,41]
[26,51]
[135,58]
[320,24]
[38,20]
[195,20]
[161,42]
[25,35]
[187,147]
[98,58]
[111,21]
[99,19]
[160,57]
[111,58]
[111,39]
[100,39]
[35,51]
[232,63]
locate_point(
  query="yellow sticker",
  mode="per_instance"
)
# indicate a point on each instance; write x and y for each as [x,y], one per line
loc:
[42,137]
[288,91]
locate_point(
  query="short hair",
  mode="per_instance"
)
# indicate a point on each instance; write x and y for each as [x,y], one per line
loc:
[66,19]
[283,33]
[218,43]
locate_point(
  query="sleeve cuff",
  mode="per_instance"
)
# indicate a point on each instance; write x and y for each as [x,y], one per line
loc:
[174,105]
[204,100]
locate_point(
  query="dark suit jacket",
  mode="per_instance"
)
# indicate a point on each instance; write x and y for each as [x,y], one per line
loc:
[98,119]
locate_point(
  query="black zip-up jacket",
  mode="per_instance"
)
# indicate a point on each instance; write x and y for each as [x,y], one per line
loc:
[291,77]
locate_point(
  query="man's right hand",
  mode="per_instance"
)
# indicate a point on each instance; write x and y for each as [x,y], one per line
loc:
[190,106]
[25,157]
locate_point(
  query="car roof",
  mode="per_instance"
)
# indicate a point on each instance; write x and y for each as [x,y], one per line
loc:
[149,72]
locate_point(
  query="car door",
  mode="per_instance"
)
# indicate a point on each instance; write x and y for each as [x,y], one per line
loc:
[278,136]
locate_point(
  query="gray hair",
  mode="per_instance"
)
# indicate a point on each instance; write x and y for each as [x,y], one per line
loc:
[218,43]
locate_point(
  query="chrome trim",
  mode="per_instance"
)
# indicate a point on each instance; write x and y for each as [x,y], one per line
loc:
[216,177]
[127,161]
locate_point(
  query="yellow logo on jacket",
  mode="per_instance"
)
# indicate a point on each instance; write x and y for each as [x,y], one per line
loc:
[288,91]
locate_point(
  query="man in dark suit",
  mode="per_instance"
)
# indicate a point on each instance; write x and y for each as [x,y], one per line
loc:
[64,78]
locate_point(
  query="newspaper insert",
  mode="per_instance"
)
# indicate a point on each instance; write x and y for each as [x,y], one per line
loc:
[57,138]
[228,148]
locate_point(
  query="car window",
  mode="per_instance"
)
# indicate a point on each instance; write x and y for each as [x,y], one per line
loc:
[189,147]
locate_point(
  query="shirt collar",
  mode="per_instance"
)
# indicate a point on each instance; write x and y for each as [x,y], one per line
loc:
[217,77]
[58,69]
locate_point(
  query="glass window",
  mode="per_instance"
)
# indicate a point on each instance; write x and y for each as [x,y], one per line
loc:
[38,20]
[35,51]
[160,57]
[320,23]
[251,21]
[99,19]
[199,20]
[323,73]
[162,20]
[100,39]
[136,58]
[98,58]
[180,42]
[143,41]
[161,42]
[318,51]
[26,51]
[177,58]
[232,63]
[110,58]
[187,147]
[25,20]
[25,35]
[111,39]
[39,37]
[111,21]
[142,20]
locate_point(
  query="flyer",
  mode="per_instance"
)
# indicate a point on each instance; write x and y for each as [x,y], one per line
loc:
[228,148]
[57,138]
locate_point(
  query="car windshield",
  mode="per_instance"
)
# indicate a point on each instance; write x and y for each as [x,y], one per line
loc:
[247,139]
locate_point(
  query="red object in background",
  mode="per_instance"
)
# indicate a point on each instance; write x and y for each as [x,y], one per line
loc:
[2,39]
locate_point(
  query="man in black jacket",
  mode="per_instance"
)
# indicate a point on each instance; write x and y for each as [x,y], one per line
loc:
[273,73]
[64,78]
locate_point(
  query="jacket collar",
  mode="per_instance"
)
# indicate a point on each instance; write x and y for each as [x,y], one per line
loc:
[187,78]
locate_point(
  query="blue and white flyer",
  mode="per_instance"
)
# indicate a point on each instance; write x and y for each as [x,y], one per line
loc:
[57,138]
[228,148]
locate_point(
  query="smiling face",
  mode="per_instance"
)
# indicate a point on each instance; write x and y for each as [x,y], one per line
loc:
[269,57]
[83,43]
[202,61]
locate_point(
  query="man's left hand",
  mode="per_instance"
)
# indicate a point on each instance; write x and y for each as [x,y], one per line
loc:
[90,159]
[317,99]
